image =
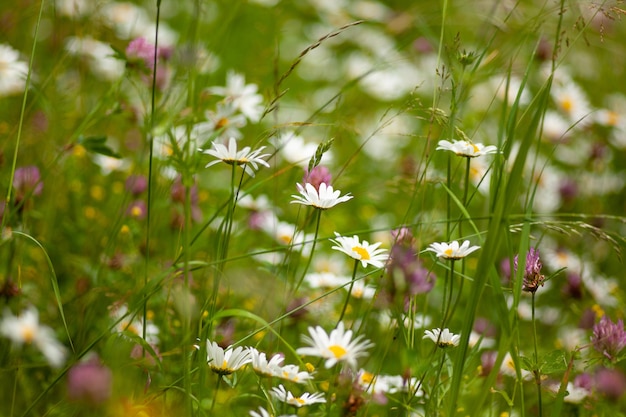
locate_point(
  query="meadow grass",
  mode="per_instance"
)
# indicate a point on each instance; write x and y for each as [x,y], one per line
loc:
[316,208]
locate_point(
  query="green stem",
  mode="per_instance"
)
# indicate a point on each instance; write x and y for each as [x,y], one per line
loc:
[217,389]
[345,305]
[308,264]
[536,371]
[448,302]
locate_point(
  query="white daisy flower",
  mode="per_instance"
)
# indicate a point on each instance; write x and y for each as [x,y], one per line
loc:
[466,148]
[264,413]
[287,397]
[12,71]
[508,368]
[250,160]
[294,374]
[324,198]
[26,329]
[368,254]
[261,365]
[226,362]
[336,347]
[242,96]
[443,338]
[452,250]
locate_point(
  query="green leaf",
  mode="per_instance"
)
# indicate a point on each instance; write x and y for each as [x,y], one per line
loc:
[553,362]
[97,144]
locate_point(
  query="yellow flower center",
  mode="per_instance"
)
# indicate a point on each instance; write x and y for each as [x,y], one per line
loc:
[225,364]
[448,252]
[300,401]
[223,122]
[28,334]
[476,150]
[367,377]
[362,252]
[567,104]
[337,351]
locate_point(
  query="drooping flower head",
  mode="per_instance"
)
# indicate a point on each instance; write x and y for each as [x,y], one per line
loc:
[609,338]
[338,346]
[533,278]
[322,198]
[250,160]
[466,148]
[368,254]
[452,250]
[226,361]
[442,338]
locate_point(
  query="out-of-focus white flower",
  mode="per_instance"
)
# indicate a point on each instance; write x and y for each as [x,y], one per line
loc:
[73,8]
[240,95]
[295,150]
[13,72]
[572,102]
[466,148]
[26,329]
[100,57]
[128,20]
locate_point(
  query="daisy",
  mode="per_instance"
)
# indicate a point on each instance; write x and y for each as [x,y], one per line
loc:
[287,397]
[26,329]
[443,338]
[294,374]
[242,96]
[361,251]
[12,71]
[264,413]
[466,148]
[230,155]
[452,250]
[323,199]
[226,362]
[335,347]
[262,366]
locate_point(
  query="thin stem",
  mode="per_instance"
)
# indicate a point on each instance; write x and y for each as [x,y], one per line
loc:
[448,302]
[536,371]
[345,305]
[217,389]
[308,264]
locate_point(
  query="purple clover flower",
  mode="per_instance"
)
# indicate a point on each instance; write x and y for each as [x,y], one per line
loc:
[609,338]
[533,278]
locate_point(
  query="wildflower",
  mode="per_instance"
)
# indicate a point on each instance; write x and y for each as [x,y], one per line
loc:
[443,338]
[261,365]
[361,251]
[264,413]
[336,347]
[609,338]
[89,381]
[12,71]
[225,120]
[466,148]
[27,180]
[287,397]
[610,383]
[26,329]
[532,273]
[452,250]
[323,198]
[140,51]
[226,362]
[242,96]
[318,175]
[294,374]
[249,160]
